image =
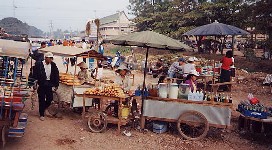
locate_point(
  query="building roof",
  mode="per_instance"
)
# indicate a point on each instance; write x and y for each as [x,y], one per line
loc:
[110,18]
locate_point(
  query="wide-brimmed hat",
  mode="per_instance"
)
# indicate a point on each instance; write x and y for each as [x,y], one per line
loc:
[192,59]
[83,65]
[49,55]
[122,67]
[194,72]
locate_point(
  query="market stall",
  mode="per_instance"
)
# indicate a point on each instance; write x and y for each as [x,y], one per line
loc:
[193,118]
[193,115]
[71,88]
[13,89]
[254,117]
[99,118]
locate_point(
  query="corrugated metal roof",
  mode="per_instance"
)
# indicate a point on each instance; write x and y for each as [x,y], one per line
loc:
[110,18]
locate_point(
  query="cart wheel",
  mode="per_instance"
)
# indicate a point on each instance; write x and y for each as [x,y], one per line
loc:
[97,122]
[192,125]
[54,108]
[4,135]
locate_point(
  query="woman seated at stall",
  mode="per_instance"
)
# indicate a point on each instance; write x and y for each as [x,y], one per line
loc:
[191,80]
[123,80]
[84,75]
[189,66]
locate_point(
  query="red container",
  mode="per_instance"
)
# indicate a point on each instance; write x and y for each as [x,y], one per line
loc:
[216,70]
[199,70]
[13,99]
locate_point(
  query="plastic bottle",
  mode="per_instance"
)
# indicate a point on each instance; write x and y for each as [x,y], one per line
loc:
[201,96]
[230,99]
[190,95]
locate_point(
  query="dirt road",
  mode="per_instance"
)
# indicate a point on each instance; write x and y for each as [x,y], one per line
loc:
[71,132]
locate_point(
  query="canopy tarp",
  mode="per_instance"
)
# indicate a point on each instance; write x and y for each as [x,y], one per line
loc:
[216,28]
[14,48]
[65,51]
[148,39]
[91,54]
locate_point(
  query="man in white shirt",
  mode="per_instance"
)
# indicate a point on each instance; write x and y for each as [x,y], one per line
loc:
[47,75]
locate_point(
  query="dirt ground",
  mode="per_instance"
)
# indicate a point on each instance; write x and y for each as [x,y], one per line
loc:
[71,132]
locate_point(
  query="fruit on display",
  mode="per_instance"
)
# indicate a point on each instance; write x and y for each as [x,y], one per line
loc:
[107,90]
[69,79]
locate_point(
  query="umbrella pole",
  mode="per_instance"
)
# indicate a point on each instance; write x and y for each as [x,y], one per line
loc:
[144,86]
[232,44]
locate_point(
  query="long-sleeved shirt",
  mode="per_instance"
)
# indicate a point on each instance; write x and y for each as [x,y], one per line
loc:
[124,83]
[188,68]
[175,67]
[193,85]
[84,76]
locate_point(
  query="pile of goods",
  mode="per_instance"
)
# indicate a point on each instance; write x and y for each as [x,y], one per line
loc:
[253,108]
[108,90]
[69,79]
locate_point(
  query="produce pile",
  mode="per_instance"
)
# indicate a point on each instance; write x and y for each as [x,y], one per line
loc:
[108,90]
[69,79]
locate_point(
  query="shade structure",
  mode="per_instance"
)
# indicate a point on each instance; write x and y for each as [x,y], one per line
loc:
[216,28]
[65,51]
[14,48]
[148,39]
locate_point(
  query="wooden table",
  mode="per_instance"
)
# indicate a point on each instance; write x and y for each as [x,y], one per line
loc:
[252,124]
[206,78]
[119,120]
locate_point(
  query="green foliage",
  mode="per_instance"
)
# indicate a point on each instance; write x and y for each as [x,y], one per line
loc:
[175,17]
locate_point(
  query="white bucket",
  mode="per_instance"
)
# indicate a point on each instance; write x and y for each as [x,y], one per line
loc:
[163,90]
[173,91]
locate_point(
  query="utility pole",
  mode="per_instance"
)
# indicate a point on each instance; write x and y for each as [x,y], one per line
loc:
[14,9]
[51,29]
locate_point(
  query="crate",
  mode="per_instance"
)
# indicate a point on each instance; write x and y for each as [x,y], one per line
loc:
[255,114]
[159,127]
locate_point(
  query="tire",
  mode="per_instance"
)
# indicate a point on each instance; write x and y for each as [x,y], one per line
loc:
[97,122]
[54,108]
[192,125]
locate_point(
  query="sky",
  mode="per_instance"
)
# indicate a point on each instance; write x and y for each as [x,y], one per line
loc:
[64,14]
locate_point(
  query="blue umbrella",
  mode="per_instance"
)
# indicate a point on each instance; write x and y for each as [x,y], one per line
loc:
[216,28]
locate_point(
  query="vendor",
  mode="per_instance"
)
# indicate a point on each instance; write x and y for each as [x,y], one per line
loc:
[123,77]
[123,81]
[227,62]
[189,66]
[191,80]
[176,67]
[83,74]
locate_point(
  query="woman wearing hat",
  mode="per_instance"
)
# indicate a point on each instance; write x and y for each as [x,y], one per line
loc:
[122,78]
[189,66]
[83,74]
[191,80]
[123,81]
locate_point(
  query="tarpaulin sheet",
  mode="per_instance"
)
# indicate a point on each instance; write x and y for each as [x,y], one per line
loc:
[172,110]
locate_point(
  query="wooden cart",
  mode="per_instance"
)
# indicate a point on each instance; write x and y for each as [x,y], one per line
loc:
[98,119]
[193,118]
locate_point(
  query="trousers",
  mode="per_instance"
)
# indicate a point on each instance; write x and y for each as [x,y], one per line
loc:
[45,95]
